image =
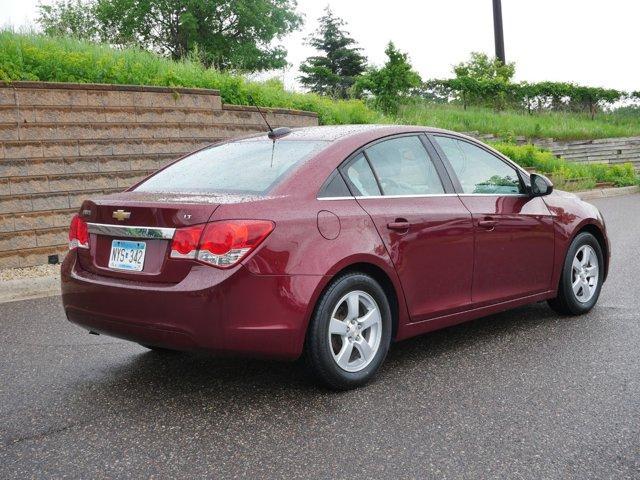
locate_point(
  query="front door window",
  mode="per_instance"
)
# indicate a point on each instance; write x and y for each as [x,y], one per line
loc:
[479,171]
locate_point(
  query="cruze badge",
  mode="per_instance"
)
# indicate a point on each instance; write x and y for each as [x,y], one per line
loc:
[121,215]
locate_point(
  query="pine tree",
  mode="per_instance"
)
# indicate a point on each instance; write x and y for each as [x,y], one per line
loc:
[334,72]
[391,84]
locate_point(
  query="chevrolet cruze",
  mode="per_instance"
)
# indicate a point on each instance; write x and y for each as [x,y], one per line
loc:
[328,242]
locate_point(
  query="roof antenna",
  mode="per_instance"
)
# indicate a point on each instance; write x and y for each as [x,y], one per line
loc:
[273,134]
[264,117]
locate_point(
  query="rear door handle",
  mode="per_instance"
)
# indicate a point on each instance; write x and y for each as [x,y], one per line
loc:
[488,224]
[398,225]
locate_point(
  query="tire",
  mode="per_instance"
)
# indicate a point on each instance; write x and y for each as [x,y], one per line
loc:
[352,354]
[577,302]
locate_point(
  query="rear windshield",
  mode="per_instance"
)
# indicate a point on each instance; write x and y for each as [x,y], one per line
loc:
[247,166]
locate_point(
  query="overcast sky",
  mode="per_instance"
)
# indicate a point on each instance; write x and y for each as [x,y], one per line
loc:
[584,41]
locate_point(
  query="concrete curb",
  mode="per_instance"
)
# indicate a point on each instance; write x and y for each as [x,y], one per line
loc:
[28,288]
[608,192]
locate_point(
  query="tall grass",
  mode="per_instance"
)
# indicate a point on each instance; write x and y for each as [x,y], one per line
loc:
[38,57]
[558,125]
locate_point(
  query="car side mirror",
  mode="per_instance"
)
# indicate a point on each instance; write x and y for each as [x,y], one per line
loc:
[540,185]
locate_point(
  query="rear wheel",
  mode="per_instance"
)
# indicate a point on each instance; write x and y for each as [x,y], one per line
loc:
[350,332]
[582,277]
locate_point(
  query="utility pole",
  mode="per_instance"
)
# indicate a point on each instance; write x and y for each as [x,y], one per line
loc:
[497,30]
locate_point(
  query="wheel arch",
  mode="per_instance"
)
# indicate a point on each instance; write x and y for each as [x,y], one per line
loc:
[599,235]
[380,276]
[387,280]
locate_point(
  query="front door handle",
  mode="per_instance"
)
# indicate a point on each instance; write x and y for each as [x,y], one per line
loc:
[489,224]
[399,224]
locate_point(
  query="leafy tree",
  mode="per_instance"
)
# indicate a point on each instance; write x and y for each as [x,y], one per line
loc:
[334,72]
[483,80]
[227,34]
[71,18]
[392,83]
[593,98]
[481,67]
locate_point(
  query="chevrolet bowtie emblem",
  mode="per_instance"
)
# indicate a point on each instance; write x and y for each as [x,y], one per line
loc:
[121,215]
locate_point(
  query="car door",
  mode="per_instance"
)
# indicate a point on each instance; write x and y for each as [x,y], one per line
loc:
[425,227]
[514,232]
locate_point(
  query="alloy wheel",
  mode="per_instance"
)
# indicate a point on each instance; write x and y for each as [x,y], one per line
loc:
[584,273]
[355,331]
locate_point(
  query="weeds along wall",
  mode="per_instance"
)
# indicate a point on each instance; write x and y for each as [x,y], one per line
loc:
[62,143]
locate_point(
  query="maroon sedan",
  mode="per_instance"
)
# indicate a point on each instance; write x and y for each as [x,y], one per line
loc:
[328,241]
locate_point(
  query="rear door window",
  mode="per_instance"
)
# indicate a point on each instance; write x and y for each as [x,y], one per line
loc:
[403,167]
[247,166]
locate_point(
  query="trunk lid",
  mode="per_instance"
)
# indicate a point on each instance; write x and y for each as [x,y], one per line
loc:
[148,220]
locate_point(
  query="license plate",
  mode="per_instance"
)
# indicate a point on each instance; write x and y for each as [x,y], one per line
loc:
[127,255]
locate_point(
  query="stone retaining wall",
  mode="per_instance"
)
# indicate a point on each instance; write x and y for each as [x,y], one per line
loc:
[61,143]
[601,150]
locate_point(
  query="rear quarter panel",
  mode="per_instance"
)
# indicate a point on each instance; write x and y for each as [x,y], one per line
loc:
[297,248]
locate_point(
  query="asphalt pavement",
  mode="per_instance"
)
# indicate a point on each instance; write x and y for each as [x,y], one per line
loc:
[524,394]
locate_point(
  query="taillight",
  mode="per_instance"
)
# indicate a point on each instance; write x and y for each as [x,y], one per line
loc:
[78,233]
[185,242]
[222,244]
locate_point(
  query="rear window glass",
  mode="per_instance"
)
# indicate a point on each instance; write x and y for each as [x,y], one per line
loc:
[247,166]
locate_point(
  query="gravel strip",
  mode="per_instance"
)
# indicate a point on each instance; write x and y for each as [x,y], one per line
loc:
[29,272]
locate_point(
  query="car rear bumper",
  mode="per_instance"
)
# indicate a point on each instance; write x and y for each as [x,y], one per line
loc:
[219,311]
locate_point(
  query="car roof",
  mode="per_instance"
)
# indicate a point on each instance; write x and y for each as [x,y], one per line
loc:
[332,133]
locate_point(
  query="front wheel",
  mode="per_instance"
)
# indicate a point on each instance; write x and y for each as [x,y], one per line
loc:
[350,332]
[582,277]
